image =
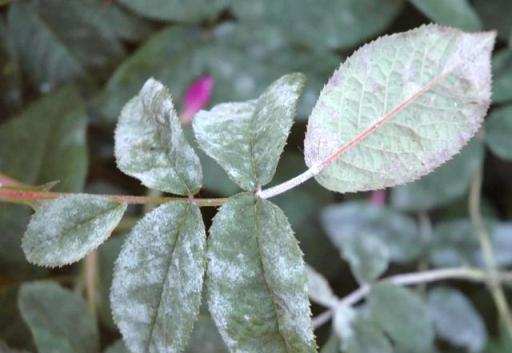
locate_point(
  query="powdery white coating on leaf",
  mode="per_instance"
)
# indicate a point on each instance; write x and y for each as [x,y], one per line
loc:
[150,144]
[257,288]
[64,230]
[59,319]
[158,279]
[439,77]
[247,138]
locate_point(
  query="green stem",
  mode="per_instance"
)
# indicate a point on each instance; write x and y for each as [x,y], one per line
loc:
[494,281]
[23,196]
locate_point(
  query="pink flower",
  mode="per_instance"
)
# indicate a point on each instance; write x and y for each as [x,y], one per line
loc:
[196,97]
[378,197]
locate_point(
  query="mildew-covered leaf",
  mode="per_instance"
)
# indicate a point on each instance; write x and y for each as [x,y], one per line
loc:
[447,183]
[402,315]
[247,138]
[322,23]
[456,13]
[498,132]
[319,289]
[256,281]
[150,144]
[64,230]
[58,319]
[176,10]
[399,107]
[455,319]
[158,279]
[396,230]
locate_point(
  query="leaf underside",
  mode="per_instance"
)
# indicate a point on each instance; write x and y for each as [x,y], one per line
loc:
[400,107]
[257,290]
[65,230]
[158,279]
[150,144]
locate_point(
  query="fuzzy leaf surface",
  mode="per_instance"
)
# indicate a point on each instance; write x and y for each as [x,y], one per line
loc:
[247,138]
[404,103]
[402,315]
[456,13]
[158,279]
[256,280]
[64,230]
[455,319]
[58,319]
[150,144]
[498,130]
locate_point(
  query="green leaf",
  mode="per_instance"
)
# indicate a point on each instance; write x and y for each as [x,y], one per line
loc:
[455,319]
[49,142]
[332,345]
[158,279]
[402,315]
[454,243]
[13,329]
[404,103]
[6,349]
[65,230]
[150,144]
[244,58]
[325,23]
[495,15]
[446,184]
[319,289]
[367,255]
[456,13]
[252,251]
[50,53]
[353,219]
[501,233]
[502,76]
[250,149]
[176,10]
[169,56]
[498,129]
[58,319]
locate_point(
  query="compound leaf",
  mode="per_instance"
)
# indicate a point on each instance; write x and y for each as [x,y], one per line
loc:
[64,230]
[319,289]
[402,315]
[158,279]
[252,250]
[455,319]
[150,144]
[176,10]
[250,148]
[404,103]
[502,76]
[58,319]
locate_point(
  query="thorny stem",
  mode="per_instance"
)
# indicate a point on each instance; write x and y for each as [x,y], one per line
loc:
[20,195]
[494,280]
[408,279]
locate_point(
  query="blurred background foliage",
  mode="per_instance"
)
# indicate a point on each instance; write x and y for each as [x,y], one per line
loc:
[68,66]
